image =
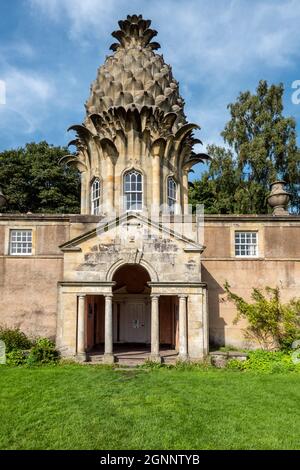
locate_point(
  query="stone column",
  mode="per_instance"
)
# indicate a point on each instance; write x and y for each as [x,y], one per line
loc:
[185,191]
[156,181]
[108,335]
[109,199]
[85,196]
[155,357]
[183,347]
[81,354]
[205,320]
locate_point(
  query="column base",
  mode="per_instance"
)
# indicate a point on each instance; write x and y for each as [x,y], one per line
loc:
[183,358]
[108,359]
[81,357]
[155,358]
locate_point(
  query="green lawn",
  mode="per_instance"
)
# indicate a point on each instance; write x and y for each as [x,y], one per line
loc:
[90,407]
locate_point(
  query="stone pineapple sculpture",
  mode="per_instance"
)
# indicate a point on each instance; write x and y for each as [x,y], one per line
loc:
[134,111]
[135,76]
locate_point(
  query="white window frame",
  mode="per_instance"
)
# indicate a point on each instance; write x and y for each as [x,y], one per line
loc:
[95,196]
[246,244]
[131,191]
[171,194]
[20,242]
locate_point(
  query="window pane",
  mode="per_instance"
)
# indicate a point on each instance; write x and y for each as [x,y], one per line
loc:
[95,197]
[172,189]
[133,190]
[245,243]
[20,242]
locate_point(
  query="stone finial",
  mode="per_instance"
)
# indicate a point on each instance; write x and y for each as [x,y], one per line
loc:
[134,31]
[278,198]
[3,200]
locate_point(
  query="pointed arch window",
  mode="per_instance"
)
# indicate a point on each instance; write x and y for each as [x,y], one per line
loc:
[172,193]
[133,190]
[95,196]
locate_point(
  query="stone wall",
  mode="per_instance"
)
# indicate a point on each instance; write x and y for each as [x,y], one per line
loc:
[28,284]
[277,264]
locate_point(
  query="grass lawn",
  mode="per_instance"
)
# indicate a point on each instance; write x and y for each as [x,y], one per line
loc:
[91,407]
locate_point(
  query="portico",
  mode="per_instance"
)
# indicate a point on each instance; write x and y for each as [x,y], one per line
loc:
[138,290]
[182,321]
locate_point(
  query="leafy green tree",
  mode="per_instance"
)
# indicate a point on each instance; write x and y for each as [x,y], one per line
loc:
[262,148]
[218,184]
[33,180]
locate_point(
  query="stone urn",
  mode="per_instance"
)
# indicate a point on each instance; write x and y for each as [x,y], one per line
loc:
[3,200]
[278,198]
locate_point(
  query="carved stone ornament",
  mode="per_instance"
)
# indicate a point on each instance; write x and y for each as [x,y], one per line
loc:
[279,198]
[135,106]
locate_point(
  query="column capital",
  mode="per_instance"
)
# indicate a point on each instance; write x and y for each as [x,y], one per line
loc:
[81,296]
[155,296]
[108,296]
[182,296]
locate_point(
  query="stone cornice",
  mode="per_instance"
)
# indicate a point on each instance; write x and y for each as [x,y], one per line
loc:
[79,218]
[36,217]
[86,284]
[177,284]
[250,218]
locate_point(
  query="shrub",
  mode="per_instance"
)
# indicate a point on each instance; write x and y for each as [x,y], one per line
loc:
[270,323]
[43,352]
[235,364]
[16,357]
[14,339]
[265,361]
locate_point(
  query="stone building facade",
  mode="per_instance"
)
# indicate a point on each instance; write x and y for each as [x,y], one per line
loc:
[134,267]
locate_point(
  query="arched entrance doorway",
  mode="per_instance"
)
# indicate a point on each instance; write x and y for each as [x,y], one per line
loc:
[131,305]
[135,324]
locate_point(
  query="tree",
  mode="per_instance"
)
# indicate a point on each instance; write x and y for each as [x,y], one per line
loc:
[218,184]
[262,145]
[33,180]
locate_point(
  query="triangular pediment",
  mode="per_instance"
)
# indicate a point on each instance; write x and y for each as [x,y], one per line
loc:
[134,221]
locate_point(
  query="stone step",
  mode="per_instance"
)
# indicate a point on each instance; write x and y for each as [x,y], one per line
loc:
[132,361]
[95,359]
[170,359]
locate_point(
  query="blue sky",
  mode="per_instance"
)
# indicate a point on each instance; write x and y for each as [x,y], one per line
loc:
[50,51]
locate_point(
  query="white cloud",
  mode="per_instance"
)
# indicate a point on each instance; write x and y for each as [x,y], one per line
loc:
[83,17]
[17,49]
[220,35]
[216,48]
[28,95]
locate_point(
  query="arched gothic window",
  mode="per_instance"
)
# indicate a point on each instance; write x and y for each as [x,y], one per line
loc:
[95,197]
[172,193]
[133,191]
